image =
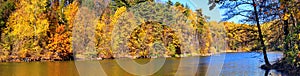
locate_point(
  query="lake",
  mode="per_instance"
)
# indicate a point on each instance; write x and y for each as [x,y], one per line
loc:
[234,64]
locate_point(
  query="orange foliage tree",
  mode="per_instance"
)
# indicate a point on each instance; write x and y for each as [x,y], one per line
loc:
[60,39]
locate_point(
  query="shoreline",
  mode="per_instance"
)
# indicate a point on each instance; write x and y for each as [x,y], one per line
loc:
[284,67]
[40,59]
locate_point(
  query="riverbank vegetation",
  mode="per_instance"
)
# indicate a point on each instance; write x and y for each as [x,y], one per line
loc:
[40,30]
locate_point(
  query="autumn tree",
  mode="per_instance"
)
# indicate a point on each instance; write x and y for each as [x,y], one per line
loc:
[290,25]
[202,31]
[27,28]
[61,24]
[141,13]
[126,3]
[152,39]
[6,8]
[241,37]
[104,32]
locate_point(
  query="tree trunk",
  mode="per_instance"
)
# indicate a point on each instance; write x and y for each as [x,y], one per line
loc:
[286,33]
[261,36]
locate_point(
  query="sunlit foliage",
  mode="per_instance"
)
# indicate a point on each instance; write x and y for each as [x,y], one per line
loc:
[60,33]
[43,29]
[27,28]
[104,32]
[153,39]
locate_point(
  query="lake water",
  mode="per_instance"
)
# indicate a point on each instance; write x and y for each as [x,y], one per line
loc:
[234,64]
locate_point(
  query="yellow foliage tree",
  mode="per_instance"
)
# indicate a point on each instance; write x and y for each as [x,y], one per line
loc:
[241,36]
[70,13]
[28,25]
[104,30]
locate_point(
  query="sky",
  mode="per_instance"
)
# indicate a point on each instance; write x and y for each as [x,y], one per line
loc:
[215,14]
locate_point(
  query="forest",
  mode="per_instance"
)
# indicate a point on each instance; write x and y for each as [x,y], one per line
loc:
[45,30]
[42,30]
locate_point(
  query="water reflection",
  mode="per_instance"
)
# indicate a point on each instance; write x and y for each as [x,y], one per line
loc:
[237,64]
[38,69]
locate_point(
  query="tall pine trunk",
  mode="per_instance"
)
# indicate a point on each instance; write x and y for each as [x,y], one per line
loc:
[261,36]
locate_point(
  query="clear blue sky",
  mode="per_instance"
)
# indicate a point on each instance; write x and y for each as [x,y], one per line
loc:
[214,14]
